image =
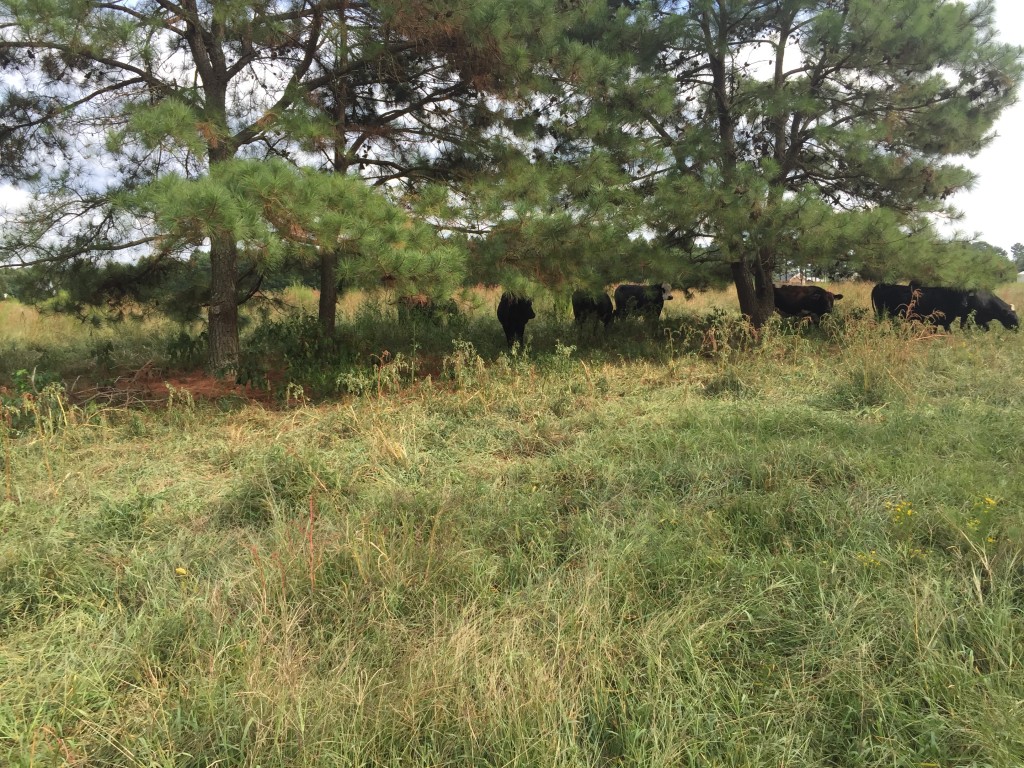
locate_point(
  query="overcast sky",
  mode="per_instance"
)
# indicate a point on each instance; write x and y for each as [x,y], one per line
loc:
[993,209]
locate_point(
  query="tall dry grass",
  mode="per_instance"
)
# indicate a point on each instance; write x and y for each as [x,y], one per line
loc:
[802,551]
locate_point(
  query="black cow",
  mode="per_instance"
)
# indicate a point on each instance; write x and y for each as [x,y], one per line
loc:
[592,306]
[804,301]
[987,307]
[941,306]
[641,300]
[895,300]
[514,312]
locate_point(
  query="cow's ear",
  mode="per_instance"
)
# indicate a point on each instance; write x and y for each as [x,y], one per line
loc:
[837,295]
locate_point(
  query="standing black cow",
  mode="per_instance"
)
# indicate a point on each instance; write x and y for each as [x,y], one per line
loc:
[804,301]
[587,306]
[514,312]
[942,306]
[641,300]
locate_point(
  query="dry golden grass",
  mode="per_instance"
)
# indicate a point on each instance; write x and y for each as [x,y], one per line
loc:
[855,294]
[25,324]
[736,560]
[483,299]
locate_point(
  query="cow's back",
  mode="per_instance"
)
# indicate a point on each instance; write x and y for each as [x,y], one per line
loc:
[804,300]
[592,305]
[641,300]
[891,299]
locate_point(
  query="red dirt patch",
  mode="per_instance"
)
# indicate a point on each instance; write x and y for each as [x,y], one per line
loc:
[202,386]
[151,386]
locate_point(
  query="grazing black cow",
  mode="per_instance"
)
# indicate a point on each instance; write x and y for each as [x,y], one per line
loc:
[941,306]
[987,307]
[514,312]
[592,306]
[804,301]
[641,300]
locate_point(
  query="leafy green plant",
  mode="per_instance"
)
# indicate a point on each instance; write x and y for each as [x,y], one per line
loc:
[187,351]
[33,382]
[463,365]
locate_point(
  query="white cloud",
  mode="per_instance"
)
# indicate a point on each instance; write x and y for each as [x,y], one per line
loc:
[11,197]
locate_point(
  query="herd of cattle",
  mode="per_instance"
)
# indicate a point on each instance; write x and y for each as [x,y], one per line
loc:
[940,306]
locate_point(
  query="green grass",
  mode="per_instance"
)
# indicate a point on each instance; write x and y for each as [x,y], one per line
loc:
[804,550]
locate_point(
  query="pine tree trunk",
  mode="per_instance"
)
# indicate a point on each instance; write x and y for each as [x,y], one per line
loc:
[755,293]
[328,308]
[223,316]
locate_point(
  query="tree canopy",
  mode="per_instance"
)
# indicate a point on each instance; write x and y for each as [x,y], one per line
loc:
[113,98]
[1017,251]
[561,144]
[756,132]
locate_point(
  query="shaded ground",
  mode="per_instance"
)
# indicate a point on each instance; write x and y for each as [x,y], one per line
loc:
[152,386]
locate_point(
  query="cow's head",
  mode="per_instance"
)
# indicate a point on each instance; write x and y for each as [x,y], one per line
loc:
[1009,318]
[987,306]
[832,299]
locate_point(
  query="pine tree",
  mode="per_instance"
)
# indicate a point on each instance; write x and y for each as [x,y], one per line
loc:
[400,91]
[1017,251]
[148,89]
[389,90]
[790,116]
[434,120]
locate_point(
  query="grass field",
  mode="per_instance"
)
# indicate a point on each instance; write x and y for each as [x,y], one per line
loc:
[680,546]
